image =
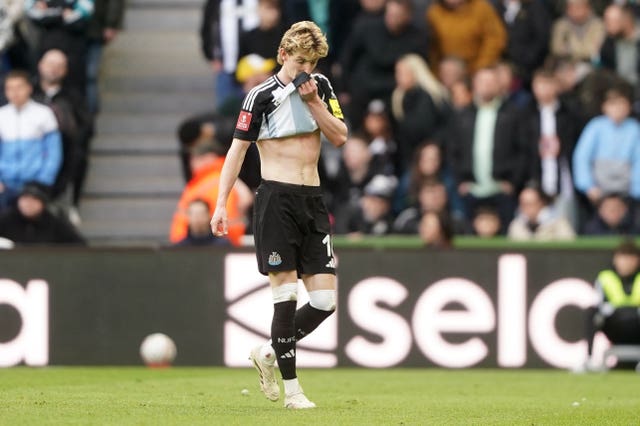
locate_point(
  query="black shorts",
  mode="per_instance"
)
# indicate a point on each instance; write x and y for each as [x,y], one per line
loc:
[291,229]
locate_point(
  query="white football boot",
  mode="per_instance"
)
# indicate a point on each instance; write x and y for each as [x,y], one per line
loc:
[297,401]
[264,361]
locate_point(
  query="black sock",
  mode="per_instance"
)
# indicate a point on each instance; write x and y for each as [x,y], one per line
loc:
[283,338]
[308,319]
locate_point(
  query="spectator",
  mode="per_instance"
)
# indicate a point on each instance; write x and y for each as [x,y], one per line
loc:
[355,172]
[461,94]
[431,197]
[620,51]
[428,165]
[30,222]
[468,29]
[420,106]
[199,233]
[265,38]
[551,129]
[582,87]
[334,17]
[612,217]
[578,34]
[30,143]
[191,132]
[486,222]
[250,72]
[63,25]
[207,159]
[485,151]
[617,312]
[528,27]
[452,70]
[74,122]
[222,23]
[378,130]
[10,12]
[372,215]
[537,221]
[435,230]
[104,26]
[607,156]
[370,54]
[511,87]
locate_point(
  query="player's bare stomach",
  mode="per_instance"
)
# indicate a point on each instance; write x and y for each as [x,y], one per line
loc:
[292,159]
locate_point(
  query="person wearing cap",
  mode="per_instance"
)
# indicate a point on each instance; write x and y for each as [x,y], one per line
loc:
[372,216]
[285,116]
[206,160]
[617,312]
[30,222]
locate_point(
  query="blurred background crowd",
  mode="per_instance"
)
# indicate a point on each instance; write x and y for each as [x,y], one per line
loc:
[512,118]
[50,53]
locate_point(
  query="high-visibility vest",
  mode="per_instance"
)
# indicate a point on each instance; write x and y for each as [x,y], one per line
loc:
[614,291]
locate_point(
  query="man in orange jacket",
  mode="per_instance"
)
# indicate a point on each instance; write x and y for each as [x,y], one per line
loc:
[207,159]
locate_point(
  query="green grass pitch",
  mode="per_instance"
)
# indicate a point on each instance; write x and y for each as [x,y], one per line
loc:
[212,396]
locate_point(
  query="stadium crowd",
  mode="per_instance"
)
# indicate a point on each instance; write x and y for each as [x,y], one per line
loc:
[50,54]
[477,117]
[474,117]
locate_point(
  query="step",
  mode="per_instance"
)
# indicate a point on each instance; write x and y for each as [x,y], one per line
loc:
[201,83]
[135,166]
[156,102]
[144,186]
[112,210]
[144,143]
[152,231]
[181,4]
[165,17]
[140,123]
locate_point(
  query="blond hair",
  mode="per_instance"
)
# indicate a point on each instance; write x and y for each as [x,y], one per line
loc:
[424,79]
[304,36]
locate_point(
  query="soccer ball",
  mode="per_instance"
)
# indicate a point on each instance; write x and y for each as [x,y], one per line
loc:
[158,350]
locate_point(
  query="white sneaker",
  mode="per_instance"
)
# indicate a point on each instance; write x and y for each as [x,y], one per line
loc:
[297,401]
[268,381]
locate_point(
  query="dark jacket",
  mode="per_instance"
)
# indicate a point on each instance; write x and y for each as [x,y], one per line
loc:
[568,130]
[75,124]
[47,229]
[106,14]
[208,240]
[509,151]
[341,15]
[597,226]
[528,36]
[262,42]
[608,54]
[422,120]
[370,54]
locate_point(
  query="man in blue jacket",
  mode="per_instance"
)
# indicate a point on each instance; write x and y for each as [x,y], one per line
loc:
[30,143]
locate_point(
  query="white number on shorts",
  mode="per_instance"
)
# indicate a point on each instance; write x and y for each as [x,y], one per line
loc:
[327,241]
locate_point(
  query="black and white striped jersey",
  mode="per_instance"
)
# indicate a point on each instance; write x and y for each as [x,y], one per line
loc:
[268,113]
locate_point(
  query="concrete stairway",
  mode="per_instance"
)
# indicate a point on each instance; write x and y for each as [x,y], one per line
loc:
[153,76]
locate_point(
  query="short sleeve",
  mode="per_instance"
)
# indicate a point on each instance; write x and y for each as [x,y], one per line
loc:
[250,117]
[328,96]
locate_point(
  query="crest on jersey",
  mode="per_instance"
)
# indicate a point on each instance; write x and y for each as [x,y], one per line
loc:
[243,121]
